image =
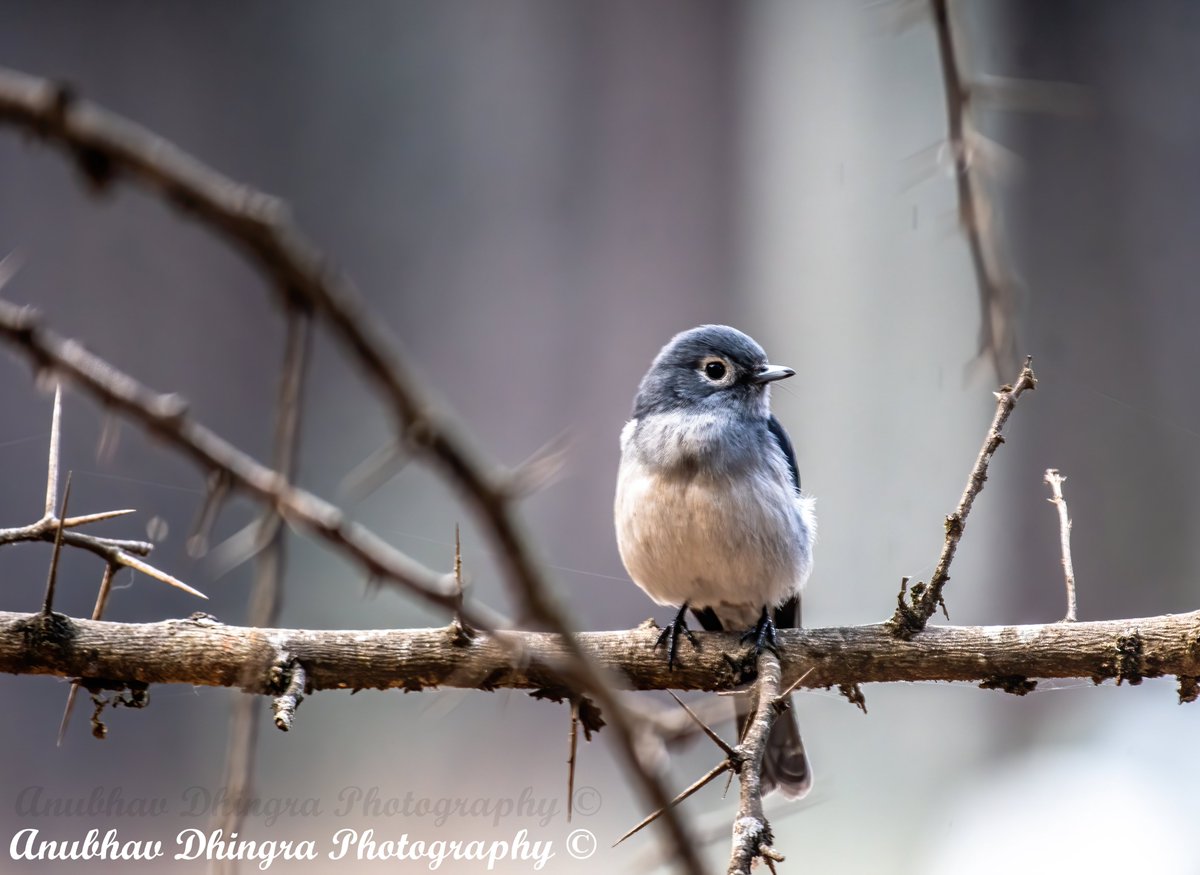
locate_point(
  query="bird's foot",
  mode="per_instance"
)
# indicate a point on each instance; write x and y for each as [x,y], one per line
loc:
[762,634]
[670,636]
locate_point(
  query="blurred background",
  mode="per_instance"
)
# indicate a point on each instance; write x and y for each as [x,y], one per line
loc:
[535,196]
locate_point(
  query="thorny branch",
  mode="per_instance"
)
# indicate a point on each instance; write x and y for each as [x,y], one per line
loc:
[54,529]
[105,147]
[752,836]
[205,652]
[997,292]
[166,416]
[913,612]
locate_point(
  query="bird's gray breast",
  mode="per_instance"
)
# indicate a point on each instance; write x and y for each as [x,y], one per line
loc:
[706,512]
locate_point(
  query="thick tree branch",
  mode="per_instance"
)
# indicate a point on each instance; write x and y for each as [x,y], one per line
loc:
[205,652]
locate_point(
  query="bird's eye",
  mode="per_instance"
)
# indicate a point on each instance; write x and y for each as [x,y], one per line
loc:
[716,370]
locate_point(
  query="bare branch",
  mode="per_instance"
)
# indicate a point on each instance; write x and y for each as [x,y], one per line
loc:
[752,836]
[910,617]
[45,529]
[1055,481]
[204,652]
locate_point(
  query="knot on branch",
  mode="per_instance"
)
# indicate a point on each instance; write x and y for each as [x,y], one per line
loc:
[1129,663]
[45,634]
[1189,688]
[954,522]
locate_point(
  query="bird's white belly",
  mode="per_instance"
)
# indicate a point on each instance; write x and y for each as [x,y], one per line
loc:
[712,541]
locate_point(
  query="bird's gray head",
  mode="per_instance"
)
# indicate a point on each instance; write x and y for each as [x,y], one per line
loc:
[709,368]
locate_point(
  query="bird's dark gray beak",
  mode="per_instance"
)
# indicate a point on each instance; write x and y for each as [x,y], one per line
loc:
[771,373]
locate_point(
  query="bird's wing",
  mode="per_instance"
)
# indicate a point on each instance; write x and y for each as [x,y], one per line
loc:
[785,444]
[787,615]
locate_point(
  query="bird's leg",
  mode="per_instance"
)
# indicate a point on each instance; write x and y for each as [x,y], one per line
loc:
[762,633]
[670,635]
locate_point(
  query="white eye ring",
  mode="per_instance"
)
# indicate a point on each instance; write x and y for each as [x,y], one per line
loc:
[716,370]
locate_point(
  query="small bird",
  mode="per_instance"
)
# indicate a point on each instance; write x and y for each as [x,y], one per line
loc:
[709,513]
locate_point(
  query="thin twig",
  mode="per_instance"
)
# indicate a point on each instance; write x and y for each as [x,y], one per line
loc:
[1055,481]
[911,615]
[45,530]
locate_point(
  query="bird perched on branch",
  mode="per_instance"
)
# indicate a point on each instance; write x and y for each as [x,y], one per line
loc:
[709,512]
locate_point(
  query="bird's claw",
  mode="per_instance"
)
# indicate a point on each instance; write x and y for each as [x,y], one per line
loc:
[670,636]
[762,634]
